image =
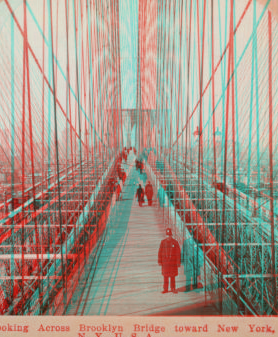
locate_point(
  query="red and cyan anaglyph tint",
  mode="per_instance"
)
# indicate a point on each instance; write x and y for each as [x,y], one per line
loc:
[138,147]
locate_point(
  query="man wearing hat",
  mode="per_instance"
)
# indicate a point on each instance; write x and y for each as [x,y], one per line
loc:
[149,193]
[169,257]
[140,195]
[118,190]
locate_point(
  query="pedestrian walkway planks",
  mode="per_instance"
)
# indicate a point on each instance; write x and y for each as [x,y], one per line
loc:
[128,280]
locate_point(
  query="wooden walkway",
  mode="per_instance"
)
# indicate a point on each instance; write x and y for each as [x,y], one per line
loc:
[128,279]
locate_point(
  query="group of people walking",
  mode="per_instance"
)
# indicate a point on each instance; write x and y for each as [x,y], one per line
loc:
[169,254]
[140,194]
[139,165]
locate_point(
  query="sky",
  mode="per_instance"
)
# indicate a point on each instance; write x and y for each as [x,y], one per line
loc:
[128,51]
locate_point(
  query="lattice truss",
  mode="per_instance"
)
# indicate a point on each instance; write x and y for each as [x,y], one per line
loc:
[59,71]
[35,236]
[216,150]
[209,72]
[237,248]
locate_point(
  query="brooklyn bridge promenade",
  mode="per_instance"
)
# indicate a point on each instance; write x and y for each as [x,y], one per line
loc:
[99,96]
[128,279]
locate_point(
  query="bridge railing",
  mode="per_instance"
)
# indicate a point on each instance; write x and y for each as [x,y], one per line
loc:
[38,226]
[206,273]
[253,237]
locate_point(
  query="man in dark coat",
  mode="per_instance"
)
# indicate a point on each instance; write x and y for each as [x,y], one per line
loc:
[141,166]
[140,195]
[149,193]
[169,257]
[118,191]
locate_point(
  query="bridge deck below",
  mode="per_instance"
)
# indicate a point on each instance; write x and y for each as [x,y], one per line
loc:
[128,280]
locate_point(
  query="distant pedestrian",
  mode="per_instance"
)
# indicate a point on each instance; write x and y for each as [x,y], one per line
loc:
[140,195]
[141,166]
[123,177]
[169,257]
[149,193]
[118,191]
